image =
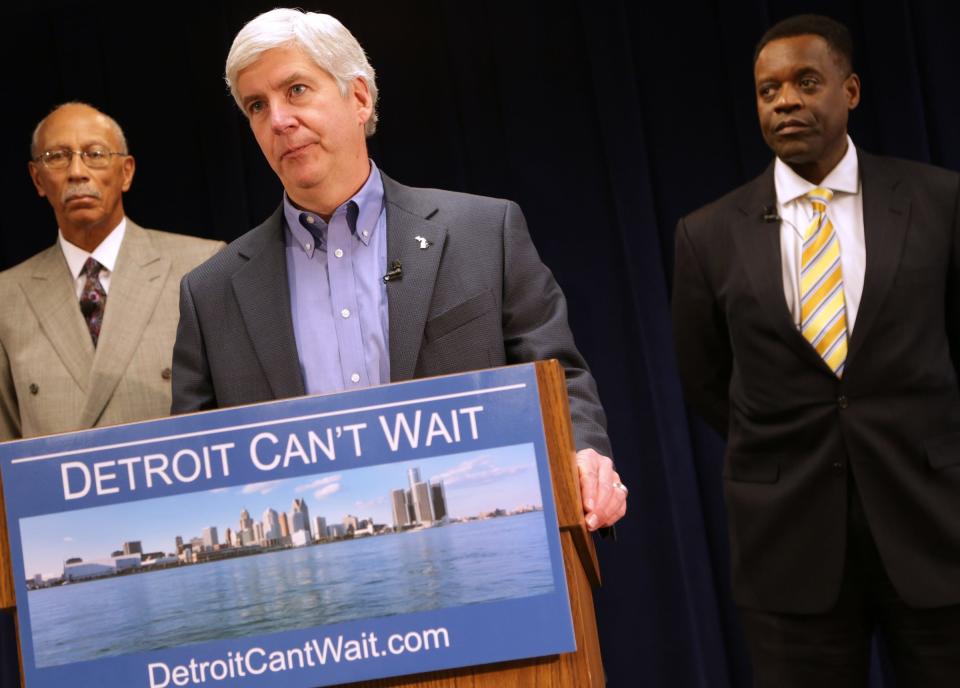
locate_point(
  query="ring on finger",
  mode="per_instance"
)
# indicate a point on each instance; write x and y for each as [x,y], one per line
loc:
[620,486]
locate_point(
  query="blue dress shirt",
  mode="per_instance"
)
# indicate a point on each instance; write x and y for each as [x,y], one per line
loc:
[338,299]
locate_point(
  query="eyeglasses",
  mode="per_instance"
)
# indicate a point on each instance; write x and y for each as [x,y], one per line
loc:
[95,157]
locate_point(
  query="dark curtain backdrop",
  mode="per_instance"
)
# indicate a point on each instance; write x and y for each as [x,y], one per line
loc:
[606,121]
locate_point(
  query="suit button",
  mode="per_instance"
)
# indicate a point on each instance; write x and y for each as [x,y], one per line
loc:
[837,466]
[34,388]
[165,373]
[842,402]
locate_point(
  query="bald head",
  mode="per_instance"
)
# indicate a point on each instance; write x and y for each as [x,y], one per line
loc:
[74,108]
[80,165]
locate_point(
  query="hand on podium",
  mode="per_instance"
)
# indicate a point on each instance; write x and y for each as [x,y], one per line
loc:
[604,496]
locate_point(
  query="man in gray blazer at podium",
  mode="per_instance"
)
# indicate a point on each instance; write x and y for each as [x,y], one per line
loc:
[87,326]
[357,280]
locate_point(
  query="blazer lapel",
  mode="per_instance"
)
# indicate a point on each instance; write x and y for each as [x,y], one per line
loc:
[263,293]
[886,213]
[135,289]
[417,242]
[52,296]
[758,242]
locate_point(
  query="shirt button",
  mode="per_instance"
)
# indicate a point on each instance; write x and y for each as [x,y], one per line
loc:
[306,247]
[355,377]
[338,253]
[345,312]
[310,219]
[366,233]
[842,402]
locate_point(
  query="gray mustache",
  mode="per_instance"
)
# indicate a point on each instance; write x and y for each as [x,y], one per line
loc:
[80,190]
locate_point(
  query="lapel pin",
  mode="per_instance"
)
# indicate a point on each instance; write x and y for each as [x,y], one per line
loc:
[423,242]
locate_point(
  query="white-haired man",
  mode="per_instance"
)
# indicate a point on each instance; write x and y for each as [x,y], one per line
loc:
[357,280]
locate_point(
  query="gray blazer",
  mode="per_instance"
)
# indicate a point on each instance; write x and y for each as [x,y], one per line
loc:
[477,297]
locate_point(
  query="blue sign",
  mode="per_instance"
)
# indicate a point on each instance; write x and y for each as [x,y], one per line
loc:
[305,542]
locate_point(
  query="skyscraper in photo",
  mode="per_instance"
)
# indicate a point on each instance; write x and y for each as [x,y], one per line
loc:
[411,511]
[350,523]
[246,534]
[301,516]
[421,502]
[413,477]
[210,537]
[401,511]
[271,527]
[419,497]
[320,528]
[438,499]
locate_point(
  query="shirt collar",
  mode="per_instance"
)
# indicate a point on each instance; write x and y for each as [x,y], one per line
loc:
[105,254]
[362,210]
[845,178]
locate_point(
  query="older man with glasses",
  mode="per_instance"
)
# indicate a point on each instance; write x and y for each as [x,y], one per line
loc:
[87,326]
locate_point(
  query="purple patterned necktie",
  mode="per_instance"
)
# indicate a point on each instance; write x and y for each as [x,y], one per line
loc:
[93,299]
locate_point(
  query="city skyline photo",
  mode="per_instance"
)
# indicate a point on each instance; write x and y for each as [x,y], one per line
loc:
[475,482]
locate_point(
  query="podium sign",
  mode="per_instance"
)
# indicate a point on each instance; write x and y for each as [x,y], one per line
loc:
[306,542]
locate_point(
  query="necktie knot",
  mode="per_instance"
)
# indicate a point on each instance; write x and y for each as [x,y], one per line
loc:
[91,268]
[820,198]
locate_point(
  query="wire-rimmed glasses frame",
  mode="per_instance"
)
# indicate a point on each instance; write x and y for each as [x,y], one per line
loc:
[94,157]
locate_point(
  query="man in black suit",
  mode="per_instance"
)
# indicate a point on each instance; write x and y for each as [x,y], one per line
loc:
[816,315]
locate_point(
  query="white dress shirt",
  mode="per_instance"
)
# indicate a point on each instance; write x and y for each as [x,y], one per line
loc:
[105,254]
[845,212]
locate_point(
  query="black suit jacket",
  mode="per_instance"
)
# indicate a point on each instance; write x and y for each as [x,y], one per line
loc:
[477,296]
[793,429]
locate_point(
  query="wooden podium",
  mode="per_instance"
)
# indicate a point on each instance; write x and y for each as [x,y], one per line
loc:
[582,668]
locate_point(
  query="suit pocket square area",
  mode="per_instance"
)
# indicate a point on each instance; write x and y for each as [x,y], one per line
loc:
[459,315]
[943,451]
[746,468]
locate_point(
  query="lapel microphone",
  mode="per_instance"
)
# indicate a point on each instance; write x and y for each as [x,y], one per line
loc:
[770,214]
[394,273]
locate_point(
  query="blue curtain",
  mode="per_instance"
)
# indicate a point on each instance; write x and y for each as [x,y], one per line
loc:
[606,121]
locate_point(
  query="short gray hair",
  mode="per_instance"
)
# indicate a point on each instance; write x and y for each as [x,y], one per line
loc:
[35,139]
[322,37]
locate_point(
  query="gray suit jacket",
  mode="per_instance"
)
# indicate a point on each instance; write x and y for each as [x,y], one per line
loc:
[477,297]
[52,379]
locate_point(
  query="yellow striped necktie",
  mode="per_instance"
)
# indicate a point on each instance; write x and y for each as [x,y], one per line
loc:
[823,312]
